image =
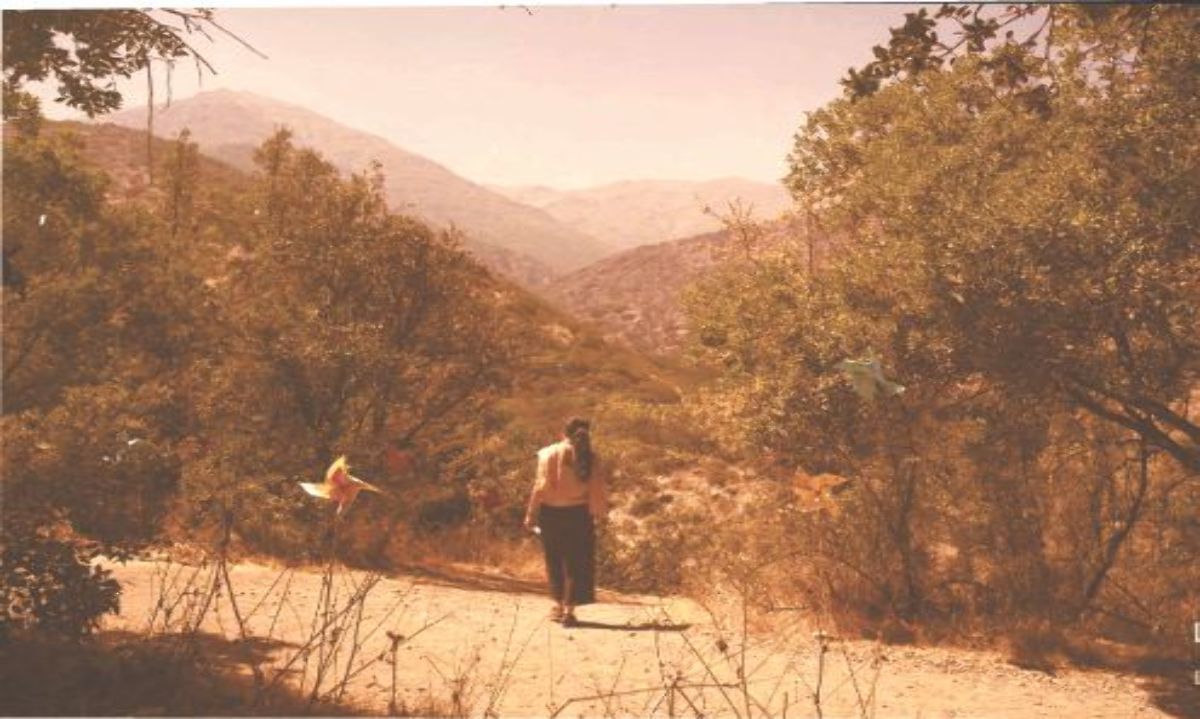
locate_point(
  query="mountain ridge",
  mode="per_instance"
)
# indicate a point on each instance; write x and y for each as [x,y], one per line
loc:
[632,213]
[227,124]
[634,296]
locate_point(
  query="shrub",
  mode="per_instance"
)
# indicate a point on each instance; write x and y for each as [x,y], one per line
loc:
[50,585]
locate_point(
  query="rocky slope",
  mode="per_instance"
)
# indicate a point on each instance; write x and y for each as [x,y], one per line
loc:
[635,296]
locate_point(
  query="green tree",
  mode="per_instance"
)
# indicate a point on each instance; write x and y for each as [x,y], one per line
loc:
[353,330]
[1042,200]
[103,322]
[104,318]
[182,171]
[1011,222]
[84,50]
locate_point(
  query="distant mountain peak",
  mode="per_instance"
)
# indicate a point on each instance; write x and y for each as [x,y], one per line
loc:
[631,213]
[225,94]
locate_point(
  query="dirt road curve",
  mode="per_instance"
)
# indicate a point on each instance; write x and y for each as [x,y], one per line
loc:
[487,642]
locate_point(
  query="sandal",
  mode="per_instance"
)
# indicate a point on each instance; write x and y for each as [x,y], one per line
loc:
[556,614]
[569,620]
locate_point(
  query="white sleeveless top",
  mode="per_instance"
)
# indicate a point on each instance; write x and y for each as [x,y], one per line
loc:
[557,485]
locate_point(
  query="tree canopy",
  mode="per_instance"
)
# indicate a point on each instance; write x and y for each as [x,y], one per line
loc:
[1034,201]
[84,51]
[1006,202]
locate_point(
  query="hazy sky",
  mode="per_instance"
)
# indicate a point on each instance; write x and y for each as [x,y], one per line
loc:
[566,97]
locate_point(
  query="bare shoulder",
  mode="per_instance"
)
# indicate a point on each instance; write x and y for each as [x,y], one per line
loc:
[551,450]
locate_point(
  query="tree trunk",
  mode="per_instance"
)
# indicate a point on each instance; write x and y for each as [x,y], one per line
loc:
[1116,540]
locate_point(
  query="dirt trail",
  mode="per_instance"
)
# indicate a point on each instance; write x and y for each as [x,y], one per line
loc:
[487,638]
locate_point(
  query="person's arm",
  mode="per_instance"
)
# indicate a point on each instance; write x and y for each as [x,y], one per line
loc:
[544,467]
[535,502]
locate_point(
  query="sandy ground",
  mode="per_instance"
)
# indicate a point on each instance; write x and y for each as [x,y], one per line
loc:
[485,640]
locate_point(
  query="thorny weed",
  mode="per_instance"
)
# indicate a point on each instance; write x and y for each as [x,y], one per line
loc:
[729,670]
[188,599]
[726,669]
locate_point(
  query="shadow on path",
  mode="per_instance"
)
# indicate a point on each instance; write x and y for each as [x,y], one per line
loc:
[1166,680]
[117,673]
[476,580]
[640,627]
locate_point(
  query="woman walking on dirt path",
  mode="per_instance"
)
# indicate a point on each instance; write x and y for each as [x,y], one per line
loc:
[569,495]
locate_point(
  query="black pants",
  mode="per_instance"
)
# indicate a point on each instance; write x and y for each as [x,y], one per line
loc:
[569,542]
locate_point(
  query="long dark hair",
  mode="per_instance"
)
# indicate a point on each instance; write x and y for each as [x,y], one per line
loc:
[577,431]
